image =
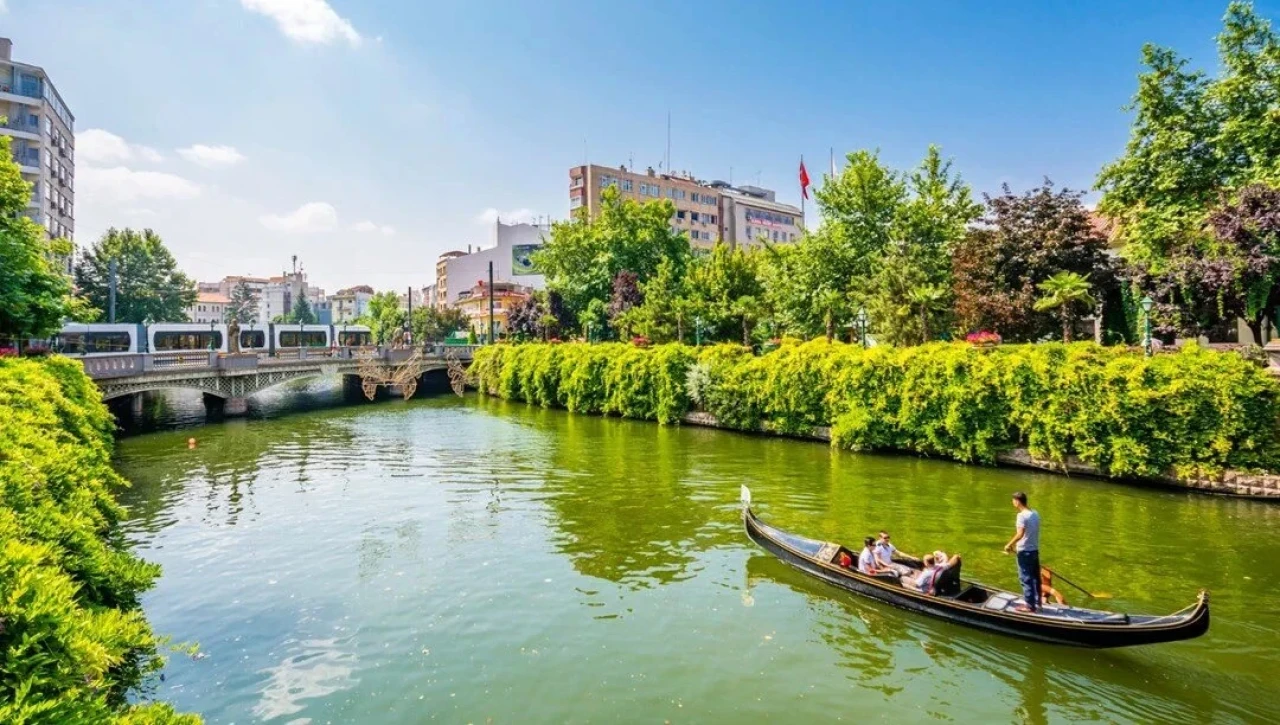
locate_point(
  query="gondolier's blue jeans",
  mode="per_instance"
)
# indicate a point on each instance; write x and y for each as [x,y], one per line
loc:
[1029,574]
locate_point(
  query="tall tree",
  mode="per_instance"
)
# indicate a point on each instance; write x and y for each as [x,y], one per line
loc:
[665,314]
[1193,139]
[626,297]
[583,256]
[1065,292]
[1247,233]
[33,295]
[302,313]
[149,285]
[1024,240]
[243,307]
[721,285]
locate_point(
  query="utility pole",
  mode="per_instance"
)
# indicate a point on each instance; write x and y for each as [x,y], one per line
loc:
[111,291]
[492,333]
[409,319]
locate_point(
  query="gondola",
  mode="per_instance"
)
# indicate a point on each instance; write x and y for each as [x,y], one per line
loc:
[976,605]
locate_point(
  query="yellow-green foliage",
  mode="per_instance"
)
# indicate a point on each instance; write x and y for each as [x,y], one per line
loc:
[73,641]
[1195,412]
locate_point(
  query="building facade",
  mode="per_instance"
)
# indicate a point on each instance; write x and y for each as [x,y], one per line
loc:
[511,252]
[348,304]
[210,307]
[750,214]
[697,204]
[474,303]
[707,212]
[42,130]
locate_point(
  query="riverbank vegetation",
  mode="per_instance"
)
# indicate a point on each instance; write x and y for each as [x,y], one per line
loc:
[1194,413]
[73,641]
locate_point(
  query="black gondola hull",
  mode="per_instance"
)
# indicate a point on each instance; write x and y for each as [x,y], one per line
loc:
[1064,632]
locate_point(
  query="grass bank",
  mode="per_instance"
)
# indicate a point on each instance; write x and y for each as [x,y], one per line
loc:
[1194,414]
[73,641]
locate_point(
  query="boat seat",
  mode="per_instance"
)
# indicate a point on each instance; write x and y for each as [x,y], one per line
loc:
[1000,601]
[948,583]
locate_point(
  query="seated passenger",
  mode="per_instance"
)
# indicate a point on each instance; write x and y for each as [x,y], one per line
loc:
[884,555]
[867,563]
[927,580]
[844,560]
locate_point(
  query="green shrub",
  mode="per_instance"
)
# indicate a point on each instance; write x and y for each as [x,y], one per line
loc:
[1193,413]
[73,641]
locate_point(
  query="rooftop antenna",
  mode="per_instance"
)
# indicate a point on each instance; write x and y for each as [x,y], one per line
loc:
[668,159]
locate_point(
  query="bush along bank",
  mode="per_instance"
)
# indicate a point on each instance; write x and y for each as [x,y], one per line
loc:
[73,640]
[1191,415]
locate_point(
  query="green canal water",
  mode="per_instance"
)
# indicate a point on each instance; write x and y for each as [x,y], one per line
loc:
[470,560]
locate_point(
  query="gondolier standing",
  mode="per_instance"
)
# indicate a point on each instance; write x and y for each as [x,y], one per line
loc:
[1027,541]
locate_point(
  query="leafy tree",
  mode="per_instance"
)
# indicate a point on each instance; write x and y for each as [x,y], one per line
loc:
[667,310]
[523,318]
[243,307]
[718,285]
[432,325]
[1247,232]
[1064,292]
[1024,240]
[384,317]
[149,284]
[1193,139]
[34,297]
[626,297]
[869,214]
[583,256]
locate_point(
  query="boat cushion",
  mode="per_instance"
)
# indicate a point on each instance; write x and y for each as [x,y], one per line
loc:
[1000,601]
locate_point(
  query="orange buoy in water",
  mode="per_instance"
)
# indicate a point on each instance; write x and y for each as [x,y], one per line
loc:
[191,443]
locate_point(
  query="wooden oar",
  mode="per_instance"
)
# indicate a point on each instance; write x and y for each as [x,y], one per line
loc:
[1092,595]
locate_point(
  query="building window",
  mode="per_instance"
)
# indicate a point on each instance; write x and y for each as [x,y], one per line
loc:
[680,213]
[575,202]
[713,219]
[626,184]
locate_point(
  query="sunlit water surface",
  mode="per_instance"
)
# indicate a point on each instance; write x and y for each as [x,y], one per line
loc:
[470,560]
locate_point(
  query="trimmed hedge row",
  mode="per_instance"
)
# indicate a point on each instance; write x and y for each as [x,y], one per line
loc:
[1193,413]
[73,641]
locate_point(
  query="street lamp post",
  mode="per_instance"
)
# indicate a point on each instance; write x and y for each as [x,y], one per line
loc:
[211,332]
[589,326]
[862,325]
[697,331]
[1147,304]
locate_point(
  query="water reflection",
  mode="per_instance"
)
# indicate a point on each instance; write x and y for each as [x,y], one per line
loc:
[314,669]
[362,564]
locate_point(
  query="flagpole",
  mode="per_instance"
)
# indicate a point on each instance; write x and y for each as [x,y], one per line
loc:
[803,195]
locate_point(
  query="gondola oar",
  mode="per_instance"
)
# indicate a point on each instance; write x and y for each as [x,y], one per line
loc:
[1092,595]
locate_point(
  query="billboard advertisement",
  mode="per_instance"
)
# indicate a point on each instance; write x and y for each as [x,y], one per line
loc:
[522,259]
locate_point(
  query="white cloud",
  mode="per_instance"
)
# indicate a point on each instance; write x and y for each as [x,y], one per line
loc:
[3,7]
[306,21]
[211,156]
[511,216]
[370,227]
[97,146]
[120,184]
[316,216]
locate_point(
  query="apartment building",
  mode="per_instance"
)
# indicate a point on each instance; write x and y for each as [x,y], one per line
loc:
[346,305]
[750,215]
[42,130]
[210,307]
[474,303]
[697,204]
[510,250]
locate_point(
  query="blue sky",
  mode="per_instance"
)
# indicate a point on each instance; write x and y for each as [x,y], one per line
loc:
[368,136]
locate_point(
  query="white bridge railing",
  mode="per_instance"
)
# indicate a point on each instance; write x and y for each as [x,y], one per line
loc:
[104,367]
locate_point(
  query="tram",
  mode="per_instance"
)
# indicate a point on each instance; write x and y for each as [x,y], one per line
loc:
[93,339]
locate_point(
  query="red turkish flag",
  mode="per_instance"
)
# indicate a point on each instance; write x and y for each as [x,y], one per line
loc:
[804,180]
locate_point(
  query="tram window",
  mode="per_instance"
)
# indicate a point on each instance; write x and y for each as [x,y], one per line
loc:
[71,343]
[108,342]
[187,340]
[310,338]
[253,339]
[354,339]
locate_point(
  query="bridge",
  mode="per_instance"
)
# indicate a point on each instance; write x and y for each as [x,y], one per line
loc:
[232,378]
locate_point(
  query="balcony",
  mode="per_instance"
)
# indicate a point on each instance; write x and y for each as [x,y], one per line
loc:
[28,159]
[22,93]
[22,129]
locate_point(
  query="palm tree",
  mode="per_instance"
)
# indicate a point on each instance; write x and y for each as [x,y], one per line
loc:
[1064,291]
